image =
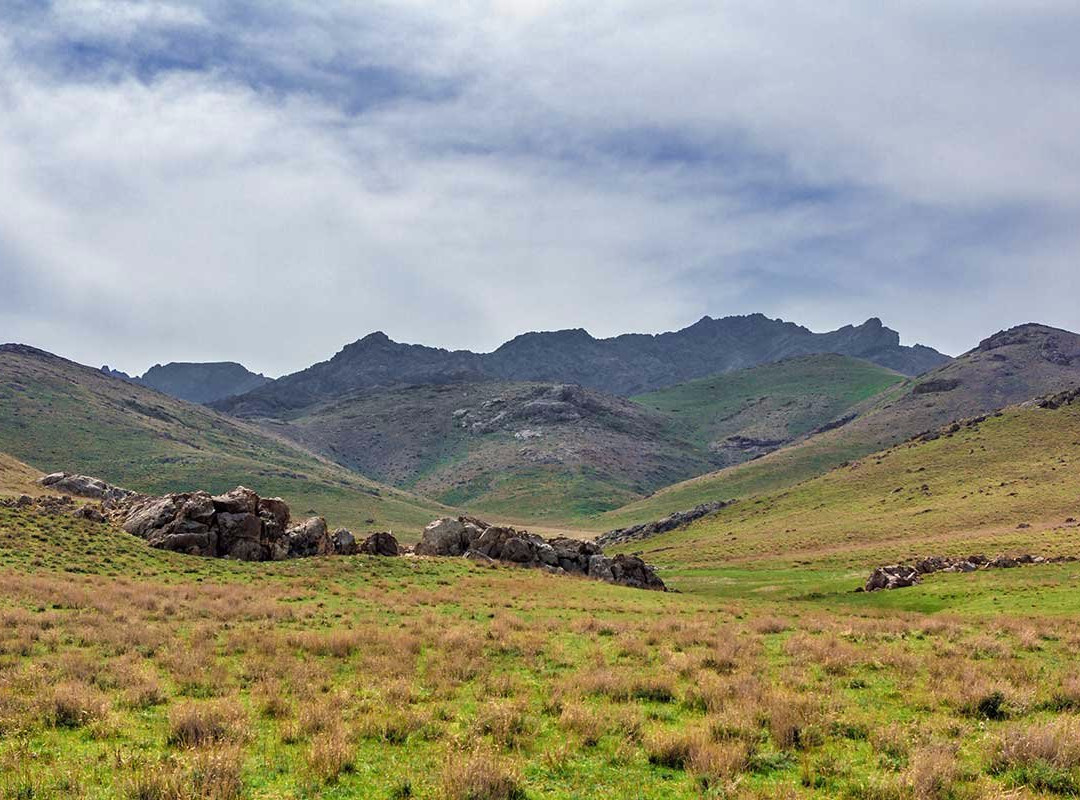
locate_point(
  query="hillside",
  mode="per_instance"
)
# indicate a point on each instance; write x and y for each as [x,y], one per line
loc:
[1003,484]
[531,451]
[741,415]
[1010,367]
[623,365]
[58,415]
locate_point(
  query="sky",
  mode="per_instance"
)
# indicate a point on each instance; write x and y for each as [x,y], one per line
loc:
[265,182]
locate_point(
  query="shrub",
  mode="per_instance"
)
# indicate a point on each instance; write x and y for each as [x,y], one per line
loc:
[670,749]
[73,705]
[199,724]
[480,776]
[330,755]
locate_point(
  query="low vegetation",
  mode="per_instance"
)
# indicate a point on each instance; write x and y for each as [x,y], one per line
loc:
[134,673]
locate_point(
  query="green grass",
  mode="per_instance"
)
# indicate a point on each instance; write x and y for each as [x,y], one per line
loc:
[780,401]
[56,415]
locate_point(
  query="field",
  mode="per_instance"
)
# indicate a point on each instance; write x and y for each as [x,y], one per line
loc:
[133,673]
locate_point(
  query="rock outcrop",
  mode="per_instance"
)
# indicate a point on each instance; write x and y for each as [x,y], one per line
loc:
[380,544]
[478,541]
[84,486]
[668,523]
[898,576]
[238,524]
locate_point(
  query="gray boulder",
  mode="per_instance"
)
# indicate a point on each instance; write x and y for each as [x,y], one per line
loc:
[84,486]
[344,542]
[381,544]
[893,576]
[310,538]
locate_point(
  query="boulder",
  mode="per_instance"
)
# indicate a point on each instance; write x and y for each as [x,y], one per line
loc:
[632,571]
[444,537]
[1002,562]
[600,568]
[344,542]
[894,576]
[483,543]
[84,486]
[380,544]
[240,536]
[240,500]
[89,513]
[275,513]
[310,538]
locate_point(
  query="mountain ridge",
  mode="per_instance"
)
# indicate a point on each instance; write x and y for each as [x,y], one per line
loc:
[623,365]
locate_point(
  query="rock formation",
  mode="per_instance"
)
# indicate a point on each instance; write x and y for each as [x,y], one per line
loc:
[898,576]
[478,541]
[84,486]
[668,523]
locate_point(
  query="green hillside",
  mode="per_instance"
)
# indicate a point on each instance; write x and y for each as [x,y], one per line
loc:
[1010,367]
[525,451]
[742,413]
[1005,484]
[58,415]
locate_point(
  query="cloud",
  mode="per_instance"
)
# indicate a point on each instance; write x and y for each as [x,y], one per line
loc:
[209,180]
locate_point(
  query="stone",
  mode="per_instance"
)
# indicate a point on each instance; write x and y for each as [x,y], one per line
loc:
[518,550]
[84,486]
[89,513]
[240,500]
[600,568]
[381,544]
[310,538]
[344,542]
[894,576]
[632,571]
[443,537]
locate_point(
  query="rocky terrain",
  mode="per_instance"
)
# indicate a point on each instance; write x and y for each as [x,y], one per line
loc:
[624,365]
[901,576]
[671,522]
[470,538]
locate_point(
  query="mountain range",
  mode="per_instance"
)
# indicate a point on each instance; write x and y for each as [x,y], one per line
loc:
[624,365]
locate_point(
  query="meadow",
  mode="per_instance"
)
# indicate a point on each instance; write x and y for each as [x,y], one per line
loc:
[132,673]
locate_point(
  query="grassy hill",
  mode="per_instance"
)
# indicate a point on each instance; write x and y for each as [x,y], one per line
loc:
[742,414]
[521,450]
[1010,367]
[58,415]
[1005,484]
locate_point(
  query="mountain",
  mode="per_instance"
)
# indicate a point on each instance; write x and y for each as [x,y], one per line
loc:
[528,450]
[624,365]
[740,415]
[59,415]
[1010,367]
[560,452]
[196,382]
[202,383]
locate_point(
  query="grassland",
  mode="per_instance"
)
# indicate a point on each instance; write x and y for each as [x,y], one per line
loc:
[132,673]
[57,415]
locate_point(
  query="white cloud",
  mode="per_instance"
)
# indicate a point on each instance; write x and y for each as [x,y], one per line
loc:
[526,165]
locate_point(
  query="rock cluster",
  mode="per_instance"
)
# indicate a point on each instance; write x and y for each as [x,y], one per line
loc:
[84,486]
[898,576]
[668,523]
[478,541]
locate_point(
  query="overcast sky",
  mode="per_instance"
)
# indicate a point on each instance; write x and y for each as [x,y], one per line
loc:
[264,182]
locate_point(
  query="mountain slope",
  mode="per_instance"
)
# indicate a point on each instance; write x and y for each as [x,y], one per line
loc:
[1003,484]
[536,451]
[744,414]
[625,365]
[1010,367]
[58,415]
